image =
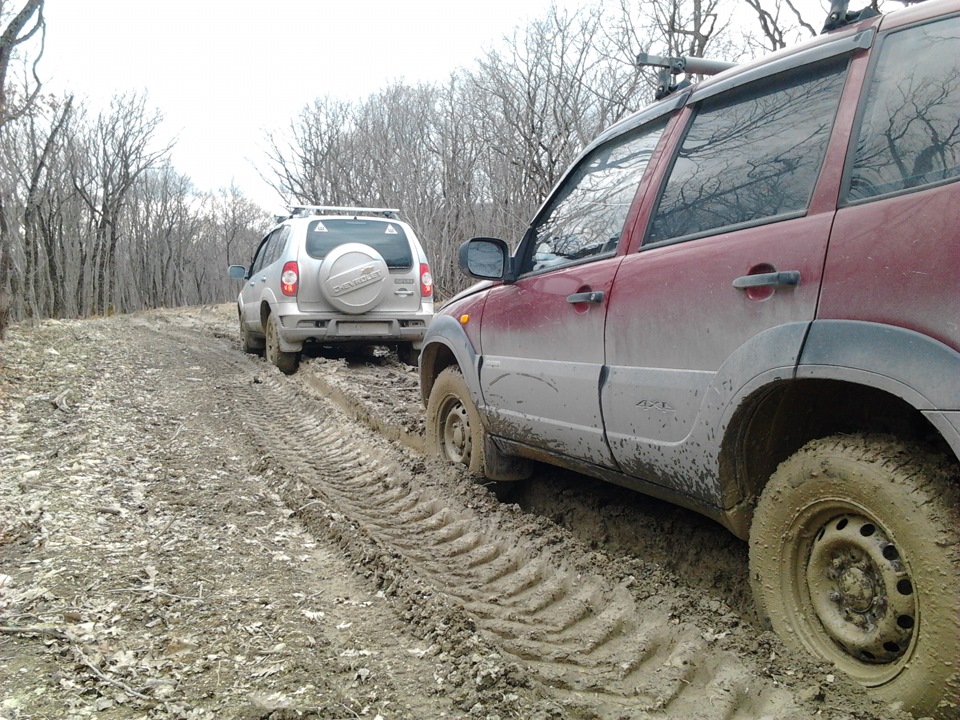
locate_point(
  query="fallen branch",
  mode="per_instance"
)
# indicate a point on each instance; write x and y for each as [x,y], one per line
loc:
[49,632]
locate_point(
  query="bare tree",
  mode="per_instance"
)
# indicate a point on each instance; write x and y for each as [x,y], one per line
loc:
[781,24]
[17,32]
[107,162]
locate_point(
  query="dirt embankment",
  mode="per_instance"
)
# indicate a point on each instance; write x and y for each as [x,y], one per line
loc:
[187,533]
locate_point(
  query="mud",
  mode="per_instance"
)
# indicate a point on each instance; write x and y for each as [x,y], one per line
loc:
[187,533]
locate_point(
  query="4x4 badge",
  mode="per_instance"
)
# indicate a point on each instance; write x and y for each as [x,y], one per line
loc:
[656,405]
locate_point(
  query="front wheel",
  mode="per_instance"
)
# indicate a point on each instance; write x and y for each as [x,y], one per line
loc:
[456,434]
[286,361]
[855,557]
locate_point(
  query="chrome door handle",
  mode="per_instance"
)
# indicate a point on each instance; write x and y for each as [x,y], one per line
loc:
[593,296]
[784,278]
[403,292]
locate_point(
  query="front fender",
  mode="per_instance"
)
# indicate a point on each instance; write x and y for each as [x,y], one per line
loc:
[446,343]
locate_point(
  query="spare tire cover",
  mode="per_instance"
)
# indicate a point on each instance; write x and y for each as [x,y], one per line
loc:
[353,278]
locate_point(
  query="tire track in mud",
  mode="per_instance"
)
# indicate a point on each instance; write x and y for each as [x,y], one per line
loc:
[582,634]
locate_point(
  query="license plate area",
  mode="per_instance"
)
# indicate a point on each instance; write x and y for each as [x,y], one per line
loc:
[357,329]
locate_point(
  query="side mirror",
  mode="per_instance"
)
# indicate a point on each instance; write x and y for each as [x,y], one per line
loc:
[237,272]
[485,258]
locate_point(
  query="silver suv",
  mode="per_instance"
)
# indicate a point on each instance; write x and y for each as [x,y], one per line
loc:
[334,275]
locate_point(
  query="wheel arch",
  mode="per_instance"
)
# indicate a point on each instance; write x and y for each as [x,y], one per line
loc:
[851,377]
[446,344]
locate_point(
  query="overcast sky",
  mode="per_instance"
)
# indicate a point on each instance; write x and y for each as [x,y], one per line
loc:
[223,71]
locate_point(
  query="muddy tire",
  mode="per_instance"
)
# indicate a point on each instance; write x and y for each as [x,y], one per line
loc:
[408,354]
[855,557]
[286,361]
[456,434]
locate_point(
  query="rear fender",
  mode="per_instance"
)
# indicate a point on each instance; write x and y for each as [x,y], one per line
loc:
[692,464]
[918,369]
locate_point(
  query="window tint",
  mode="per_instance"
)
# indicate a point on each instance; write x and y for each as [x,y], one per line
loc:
[275,245]
[387,238]
[586,216]
[262,258]
[751,154]
[910,132]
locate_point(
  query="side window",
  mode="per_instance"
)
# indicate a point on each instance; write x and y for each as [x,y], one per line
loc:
[276,245]
[270,250]
[586,215]
[751,154]
[261,256]
[910,132]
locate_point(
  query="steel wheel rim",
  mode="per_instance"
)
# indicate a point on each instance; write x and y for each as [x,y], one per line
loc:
[853,594]
[861,589]
[457,441]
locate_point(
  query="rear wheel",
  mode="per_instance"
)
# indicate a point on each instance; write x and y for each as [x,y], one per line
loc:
[855,557]
[408,354]
[456,434]
[286,361]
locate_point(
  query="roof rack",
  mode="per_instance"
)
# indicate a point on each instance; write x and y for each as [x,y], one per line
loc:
[305,210]
[838,16]
[671,66]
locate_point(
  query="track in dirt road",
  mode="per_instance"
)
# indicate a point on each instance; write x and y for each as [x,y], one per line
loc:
[585,627]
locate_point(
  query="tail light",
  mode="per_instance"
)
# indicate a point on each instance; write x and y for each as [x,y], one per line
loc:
[290,278]
[426,281]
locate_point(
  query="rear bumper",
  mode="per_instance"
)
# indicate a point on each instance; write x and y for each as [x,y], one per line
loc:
[298,328]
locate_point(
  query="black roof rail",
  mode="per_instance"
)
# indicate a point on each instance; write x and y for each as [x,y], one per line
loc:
[839,15]
[671,66]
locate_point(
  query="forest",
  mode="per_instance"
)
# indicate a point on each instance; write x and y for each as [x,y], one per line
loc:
[95,219]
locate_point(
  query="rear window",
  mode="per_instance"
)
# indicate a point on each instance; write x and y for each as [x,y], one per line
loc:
[386,238]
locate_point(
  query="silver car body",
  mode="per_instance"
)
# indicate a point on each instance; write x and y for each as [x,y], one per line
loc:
[361,276]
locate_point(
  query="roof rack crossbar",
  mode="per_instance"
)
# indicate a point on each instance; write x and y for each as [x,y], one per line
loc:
[839,15]
[316,209]
[671,66]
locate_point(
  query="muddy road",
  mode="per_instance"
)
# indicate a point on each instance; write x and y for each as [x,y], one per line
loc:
[187,533]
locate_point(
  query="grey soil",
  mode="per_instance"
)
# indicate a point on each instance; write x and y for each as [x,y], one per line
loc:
[185,532]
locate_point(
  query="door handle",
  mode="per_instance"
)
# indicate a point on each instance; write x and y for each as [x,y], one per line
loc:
[784,278]
[593,296]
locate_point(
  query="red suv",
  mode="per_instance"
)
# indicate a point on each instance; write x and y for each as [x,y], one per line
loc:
[745,299]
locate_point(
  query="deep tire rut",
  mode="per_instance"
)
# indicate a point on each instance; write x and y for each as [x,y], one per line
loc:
[606,648]
[580,633]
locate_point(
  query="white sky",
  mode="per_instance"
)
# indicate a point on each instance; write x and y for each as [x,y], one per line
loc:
[223,71]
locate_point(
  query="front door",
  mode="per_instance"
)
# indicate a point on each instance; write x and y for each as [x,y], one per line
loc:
[542,337]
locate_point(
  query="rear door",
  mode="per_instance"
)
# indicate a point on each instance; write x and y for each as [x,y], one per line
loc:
[542,336]
[733,251]
[895,249]
[261,283]
[385,238]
